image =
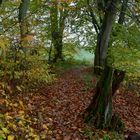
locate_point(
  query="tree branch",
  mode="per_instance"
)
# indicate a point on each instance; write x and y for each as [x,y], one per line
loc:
[94,21]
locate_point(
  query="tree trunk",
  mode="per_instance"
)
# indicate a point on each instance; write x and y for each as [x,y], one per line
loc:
[23,8]
[99,111]
[57,27]
[0,2]
[22,21]
[123,10]
[58,45]
[103,38]
[50,52]
[93,18]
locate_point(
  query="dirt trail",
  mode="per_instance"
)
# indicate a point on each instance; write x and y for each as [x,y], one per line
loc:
[61,104]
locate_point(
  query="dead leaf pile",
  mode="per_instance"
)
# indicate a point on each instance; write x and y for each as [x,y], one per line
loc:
[55,111]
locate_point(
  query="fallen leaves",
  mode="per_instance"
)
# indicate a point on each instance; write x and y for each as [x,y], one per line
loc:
[54,111]
[127,105]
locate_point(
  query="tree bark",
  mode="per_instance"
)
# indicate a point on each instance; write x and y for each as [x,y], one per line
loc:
[57,27]
[99,112]
[93,18]
[122,13]
[22,14]
[50,52]
[103,38]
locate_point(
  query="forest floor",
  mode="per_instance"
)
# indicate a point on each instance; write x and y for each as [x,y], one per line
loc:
[57,108]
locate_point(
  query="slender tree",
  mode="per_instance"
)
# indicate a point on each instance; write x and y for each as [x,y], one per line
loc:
[104,35]
[0,2]
[57,16]
[23,8]
[22,18]
[123,11]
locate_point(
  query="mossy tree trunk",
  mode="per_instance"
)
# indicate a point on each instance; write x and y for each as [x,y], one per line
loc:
[22,18]
[99,112]
[57,17]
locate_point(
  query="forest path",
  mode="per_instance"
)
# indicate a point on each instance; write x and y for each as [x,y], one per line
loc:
[61,104]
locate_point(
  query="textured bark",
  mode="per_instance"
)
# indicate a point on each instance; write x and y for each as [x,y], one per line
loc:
[50,52]
[99,111]
[57,27]
[93,18]
[123,10]
[103,38]
[22,14]
[23,8]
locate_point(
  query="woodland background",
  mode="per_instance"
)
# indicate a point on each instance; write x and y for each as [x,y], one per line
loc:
[69,69]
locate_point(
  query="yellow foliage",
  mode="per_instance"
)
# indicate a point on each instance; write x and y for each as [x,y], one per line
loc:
[3,42]
[5,130]
[10,137]
[21,104]
[2,45]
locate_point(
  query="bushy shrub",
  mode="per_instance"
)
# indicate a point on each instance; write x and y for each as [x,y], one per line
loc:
[22,69]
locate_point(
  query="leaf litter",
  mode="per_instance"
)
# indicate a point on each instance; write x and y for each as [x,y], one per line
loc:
[55,111]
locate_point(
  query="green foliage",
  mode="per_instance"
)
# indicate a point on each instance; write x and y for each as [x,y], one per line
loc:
[126,59]
[81,62]
[70,63]
[38,70]
[69,50]
[124,54]
[23,69]
[116,136]
[127,36]
[89,133]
